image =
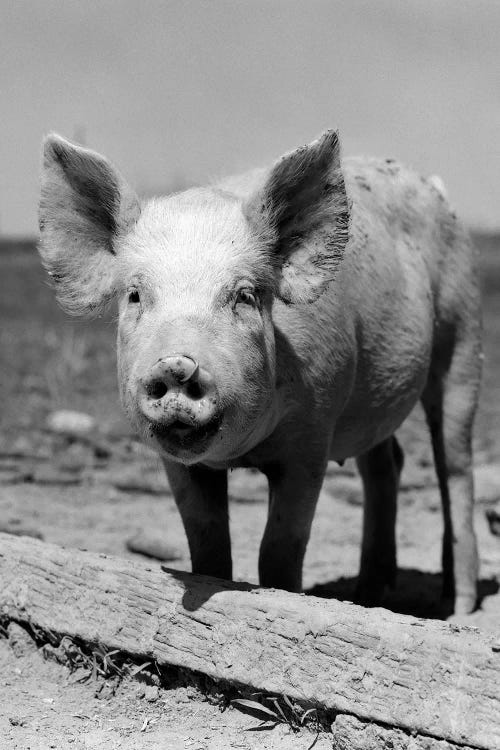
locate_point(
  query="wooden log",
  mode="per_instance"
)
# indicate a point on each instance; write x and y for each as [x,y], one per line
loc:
[432,678]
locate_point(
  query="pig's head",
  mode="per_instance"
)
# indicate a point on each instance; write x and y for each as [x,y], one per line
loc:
[196,276]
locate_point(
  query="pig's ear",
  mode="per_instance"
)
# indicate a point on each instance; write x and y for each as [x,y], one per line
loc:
[85,206]
[302,213]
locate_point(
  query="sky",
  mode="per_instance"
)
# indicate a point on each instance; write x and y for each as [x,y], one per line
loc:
[177,92]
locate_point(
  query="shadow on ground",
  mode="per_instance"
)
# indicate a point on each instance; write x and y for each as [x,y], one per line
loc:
[416,593]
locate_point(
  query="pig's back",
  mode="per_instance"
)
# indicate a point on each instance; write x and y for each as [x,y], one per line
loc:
[408,267]
[407,240]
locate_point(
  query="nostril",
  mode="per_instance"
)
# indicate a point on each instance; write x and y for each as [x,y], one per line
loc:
[194,389]
[156,389]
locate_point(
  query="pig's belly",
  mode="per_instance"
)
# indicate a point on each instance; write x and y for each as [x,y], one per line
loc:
[371,416]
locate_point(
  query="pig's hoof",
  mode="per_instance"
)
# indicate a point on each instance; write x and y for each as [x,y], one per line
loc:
[465,604]
[370,593]
[373,583]
[454,609]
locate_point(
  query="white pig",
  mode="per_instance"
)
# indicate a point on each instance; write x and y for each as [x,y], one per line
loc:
[282,320]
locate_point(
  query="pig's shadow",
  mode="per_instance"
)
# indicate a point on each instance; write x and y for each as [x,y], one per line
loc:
[416,593]
[199,589]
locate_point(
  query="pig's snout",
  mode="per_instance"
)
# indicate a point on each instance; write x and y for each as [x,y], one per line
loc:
[179,398]
[172,372]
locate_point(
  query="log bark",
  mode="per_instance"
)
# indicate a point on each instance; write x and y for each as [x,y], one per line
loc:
[439,680]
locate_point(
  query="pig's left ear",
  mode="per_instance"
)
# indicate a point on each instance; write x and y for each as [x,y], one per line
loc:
[85,207]
[302,213]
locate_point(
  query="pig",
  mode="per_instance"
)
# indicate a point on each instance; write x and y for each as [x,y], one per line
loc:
[280,320]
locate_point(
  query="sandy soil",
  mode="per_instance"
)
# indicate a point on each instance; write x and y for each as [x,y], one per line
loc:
[98,492]
[44,706]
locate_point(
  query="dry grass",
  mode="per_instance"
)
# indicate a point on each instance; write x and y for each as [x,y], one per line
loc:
[105,669]
[279,709]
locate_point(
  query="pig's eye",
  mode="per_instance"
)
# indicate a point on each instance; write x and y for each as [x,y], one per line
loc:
[245,297]
[133,296]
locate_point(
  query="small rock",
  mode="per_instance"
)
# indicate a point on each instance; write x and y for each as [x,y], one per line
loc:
[35,383]
[20,530]
[152,545]
[151,693]
[113,496]
[102,450]
[76,458]
[134,484]
[17,476]
[106,691]
[20,640]
[493,518]
[22,447]
[354,498]
[487,482]
[49,475]
[97,739]
[17,722]
[7,465]
[73,423]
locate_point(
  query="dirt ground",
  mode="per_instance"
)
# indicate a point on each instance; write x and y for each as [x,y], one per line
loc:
[99,491]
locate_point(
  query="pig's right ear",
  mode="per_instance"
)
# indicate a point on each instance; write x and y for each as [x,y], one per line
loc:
[85,206]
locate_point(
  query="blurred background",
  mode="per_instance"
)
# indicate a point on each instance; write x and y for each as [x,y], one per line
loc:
[178,92]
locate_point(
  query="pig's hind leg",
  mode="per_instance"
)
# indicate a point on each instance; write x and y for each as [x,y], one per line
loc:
[450,400]
[380,469]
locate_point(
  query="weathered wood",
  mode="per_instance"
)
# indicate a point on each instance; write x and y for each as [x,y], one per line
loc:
[433,678]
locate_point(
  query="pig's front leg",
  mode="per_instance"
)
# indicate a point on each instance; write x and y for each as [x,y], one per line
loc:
[201,496]
[293,493]
[380,469]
